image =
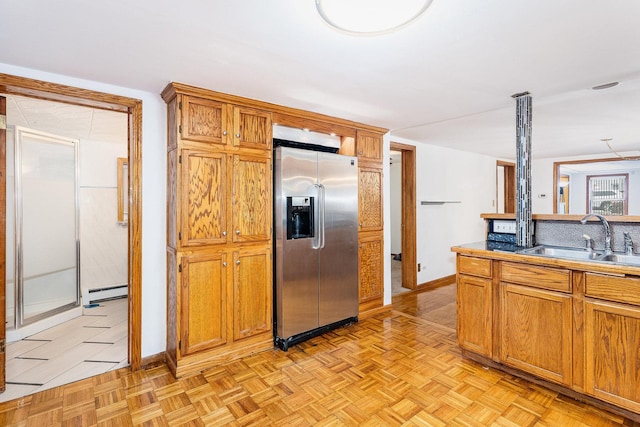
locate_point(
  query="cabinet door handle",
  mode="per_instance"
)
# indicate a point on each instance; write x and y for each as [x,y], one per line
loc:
[224,233]
[224,263]
[238,262]
[238,232]
[224,133]
[237,135]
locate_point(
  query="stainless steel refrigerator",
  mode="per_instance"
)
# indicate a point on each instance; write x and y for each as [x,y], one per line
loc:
[316,239]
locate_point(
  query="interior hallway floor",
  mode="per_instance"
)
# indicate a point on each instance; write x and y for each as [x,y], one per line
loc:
[91,344]
[391,369]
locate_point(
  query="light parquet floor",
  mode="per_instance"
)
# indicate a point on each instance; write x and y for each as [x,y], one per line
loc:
[391,369]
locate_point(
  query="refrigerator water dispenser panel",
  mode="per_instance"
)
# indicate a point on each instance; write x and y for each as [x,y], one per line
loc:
[300,217]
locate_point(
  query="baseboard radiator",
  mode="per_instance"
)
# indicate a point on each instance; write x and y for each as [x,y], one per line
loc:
[96,295]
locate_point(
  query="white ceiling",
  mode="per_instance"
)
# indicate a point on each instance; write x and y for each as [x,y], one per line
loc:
[71,121]
[447,79]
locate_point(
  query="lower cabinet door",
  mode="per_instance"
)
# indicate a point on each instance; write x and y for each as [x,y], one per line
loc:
[536,330]
[474,314]
[612,356]
[203,314]
[252,292]
[370,268]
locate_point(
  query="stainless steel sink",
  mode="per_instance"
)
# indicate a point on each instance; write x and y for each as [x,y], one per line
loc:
[562,252]
[621,259]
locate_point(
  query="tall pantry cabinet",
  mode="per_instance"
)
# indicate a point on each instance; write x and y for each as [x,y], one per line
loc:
[219,229]
[368,147]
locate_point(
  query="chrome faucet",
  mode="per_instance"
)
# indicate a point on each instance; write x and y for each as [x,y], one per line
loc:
[607,230]
[628,243]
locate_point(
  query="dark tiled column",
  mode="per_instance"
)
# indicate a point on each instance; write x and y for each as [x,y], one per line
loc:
[524,224]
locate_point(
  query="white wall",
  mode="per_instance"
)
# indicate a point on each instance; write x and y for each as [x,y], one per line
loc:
[153,199]
[103,241]
[443,174]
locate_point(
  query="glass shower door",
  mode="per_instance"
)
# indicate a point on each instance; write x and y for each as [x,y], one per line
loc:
[47,233]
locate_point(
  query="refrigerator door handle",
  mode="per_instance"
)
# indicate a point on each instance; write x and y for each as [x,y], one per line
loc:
[322,205]
[317,242]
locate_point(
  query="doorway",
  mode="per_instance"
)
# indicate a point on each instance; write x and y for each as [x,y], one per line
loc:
[403,221]
[13,85]
[505,187]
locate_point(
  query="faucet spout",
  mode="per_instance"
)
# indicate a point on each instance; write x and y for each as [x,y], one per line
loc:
[607,230]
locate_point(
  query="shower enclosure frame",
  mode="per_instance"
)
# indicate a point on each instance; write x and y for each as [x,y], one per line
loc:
[19,293]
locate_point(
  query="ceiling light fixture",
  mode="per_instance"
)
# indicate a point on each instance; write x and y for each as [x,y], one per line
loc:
[370,17]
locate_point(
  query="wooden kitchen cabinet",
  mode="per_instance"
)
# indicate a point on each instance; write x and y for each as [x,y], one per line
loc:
[573,324]
[474,323]
[252,206]
[219,229]
[535,332]
[612,340]
[212,122]
[252,292]
[203,120]
[369,147]
[203,302]
[203,205]
[370,266]
[370,201]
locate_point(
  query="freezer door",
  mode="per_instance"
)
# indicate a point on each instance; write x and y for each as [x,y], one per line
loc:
[296,259]
[338,211]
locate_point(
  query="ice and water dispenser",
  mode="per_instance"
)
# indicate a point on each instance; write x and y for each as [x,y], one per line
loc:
[299,217]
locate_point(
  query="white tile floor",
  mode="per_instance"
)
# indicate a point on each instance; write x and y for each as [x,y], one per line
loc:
[88,345]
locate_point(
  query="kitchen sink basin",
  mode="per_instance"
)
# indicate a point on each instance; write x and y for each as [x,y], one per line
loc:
[562,252]
[621,259]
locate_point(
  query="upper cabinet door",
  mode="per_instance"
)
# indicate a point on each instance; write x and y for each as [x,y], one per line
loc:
[369,146]
[370,199]
[251,211]
[203,198]
[251,128]
[204,120]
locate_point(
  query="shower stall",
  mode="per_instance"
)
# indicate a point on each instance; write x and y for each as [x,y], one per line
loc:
[43,249]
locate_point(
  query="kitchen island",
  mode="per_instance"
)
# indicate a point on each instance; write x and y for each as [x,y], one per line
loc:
[571,325]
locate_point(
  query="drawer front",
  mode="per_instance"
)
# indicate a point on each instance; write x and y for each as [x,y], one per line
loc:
[613,288]
[556,279]
[474,266]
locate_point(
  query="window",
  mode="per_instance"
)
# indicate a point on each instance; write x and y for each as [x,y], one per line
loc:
[607,194]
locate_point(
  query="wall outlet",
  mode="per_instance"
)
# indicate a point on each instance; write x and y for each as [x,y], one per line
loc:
[500,226]
[419,267]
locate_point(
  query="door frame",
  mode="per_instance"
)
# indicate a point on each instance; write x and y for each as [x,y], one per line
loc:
[22,86]
[408,215]
[509,182]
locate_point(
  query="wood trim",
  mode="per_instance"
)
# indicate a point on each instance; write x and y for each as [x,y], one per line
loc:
[135,236]
[562,217]
[154,359]
[3,243]
[409,239]
[279,112]
[23,86]
[436,283]
[374,311]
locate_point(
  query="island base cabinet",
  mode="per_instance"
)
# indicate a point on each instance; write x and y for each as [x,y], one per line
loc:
[613,353]
[536,332]
[474,307]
